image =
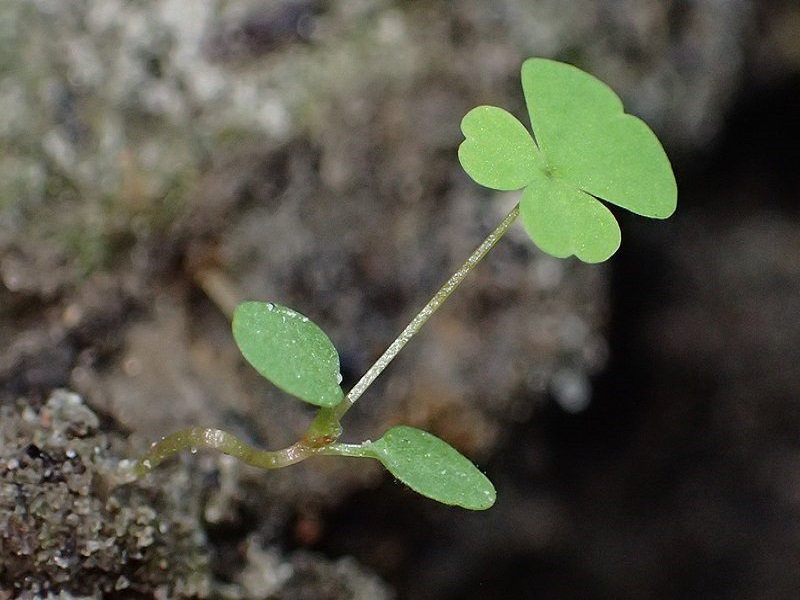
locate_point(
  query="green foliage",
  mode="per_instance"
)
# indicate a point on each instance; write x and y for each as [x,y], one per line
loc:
[585,147]
[292,352]
[289,350]
[433,468]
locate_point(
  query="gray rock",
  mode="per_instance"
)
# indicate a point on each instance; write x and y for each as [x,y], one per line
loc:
[61,532]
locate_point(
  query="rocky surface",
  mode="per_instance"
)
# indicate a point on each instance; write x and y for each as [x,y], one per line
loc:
[68,530]
[62,530]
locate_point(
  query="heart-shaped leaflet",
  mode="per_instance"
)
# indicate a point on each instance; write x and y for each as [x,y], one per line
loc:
[585,148]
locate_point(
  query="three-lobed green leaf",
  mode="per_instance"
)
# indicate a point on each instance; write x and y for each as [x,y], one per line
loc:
[290,350]
[433,468]
[584,148]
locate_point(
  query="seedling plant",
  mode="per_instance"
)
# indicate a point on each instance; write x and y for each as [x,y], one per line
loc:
[585,153]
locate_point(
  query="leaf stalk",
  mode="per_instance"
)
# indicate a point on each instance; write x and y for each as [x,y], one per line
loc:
[423,315]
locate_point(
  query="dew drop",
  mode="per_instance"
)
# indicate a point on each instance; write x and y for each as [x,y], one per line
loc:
[193,450]
[270,306]
[338,378]
[61,561]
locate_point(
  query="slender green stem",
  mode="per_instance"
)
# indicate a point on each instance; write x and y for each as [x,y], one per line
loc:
[323,432]
[227,443]
[422,316]
[364,450]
